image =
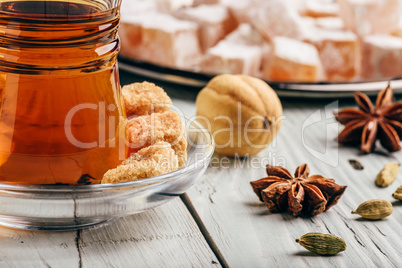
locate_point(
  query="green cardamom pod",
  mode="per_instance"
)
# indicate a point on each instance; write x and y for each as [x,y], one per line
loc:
[375,209]
[398,193]
[387,175]
[322,244]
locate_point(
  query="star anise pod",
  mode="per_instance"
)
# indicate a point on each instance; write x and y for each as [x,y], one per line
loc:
[310,195]
[367,124]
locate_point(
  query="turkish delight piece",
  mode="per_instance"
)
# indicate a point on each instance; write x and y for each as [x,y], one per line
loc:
[241,52]
[292,60]
[228,57]
[320,8]
[144,131]
[330,23]
[160,39]
[308,22]
[145,98]
[339,53]
[237,8]
[246,34]
[169,6]
[151,161]
[398,31]
[205,2]
[382,57]
[131,7]
[276,18]
[215,22]
[366,17]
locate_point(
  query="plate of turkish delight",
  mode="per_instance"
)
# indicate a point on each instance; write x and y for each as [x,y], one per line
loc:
[323,48]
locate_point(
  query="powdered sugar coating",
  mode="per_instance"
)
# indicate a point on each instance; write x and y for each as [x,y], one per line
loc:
[215,22]
[172,5]
[229,57]
[366,17]
[384,41]
[160,39]
[276,18]
[246,34]
[330,23]
[212,14]
[339,53]
[382,57]
[323,8]
[292,60]
[160,21]
[297,51]
[131,7]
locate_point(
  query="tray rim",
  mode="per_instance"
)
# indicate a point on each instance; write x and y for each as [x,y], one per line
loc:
[283,89]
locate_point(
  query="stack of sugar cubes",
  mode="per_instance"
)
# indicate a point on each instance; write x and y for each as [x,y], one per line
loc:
[278,40]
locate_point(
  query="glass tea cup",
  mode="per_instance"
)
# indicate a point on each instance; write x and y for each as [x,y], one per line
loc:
[61,116]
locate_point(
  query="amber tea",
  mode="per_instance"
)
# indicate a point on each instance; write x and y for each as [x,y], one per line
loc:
[61,120]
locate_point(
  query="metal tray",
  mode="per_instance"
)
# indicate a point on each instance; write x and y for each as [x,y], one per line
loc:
[299,90]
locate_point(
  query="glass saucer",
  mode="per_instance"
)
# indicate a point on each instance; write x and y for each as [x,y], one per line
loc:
[59,208]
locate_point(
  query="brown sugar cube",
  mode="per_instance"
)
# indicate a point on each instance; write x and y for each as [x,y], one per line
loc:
[228,57]
[145,98]
[320,8]
[160,39]
[276,18]
[339,53]
[180,149]
[292,60]
[215,22]
[382,57]
[144,131]
[366,17]
[155,160]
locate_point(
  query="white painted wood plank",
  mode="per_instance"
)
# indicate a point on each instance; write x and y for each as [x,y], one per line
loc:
[165,237]
[249,236]
[19,248]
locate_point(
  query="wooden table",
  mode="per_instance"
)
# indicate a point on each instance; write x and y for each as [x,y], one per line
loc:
[220,222]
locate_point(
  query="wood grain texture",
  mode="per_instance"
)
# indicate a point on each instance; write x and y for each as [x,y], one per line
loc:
[164,237]
[249,236]
[19,248]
